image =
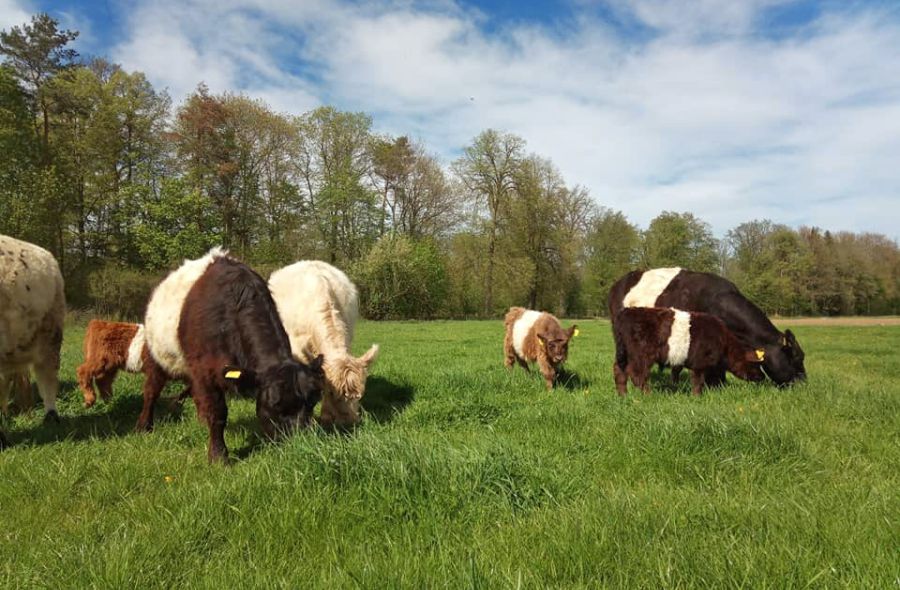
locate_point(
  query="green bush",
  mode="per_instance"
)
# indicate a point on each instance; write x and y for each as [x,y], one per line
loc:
[118,292]
[401,278]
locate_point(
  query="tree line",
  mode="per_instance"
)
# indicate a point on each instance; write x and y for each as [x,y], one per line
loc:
[120,184]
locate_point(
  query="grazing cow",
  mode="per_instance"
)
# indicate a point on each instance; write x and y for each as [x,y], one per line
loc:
[108,348]
[698,341]
[32,310]
[535,336]
[213,322]
[318,306]
[705,292]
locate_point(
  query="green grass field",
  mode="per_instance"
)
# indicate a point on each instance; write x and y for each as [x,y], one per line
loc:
[466,475]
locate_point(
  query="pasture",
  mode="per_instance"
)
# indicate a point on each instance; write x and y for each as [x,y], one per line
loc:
[466,475]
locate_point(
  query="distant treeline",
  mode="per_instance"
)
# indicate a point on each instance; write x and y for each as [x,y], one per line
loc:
[101,169]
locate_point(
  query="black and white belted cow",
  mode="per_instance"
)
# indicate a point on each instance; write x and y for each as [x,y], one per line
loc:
[705,292]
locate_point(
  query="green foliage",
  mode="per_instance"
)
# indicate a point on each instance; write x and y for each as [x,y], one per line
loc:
[401,278]
[117,292]
[464,474]
[612,249]
[179,225]
[679,239]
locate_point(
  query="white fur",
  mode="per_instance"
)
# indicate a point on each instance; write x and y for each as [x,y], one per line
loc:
[650,286]
[164,312]
[679,338]
[135,363]
[318,305]
[32,309]
[521,327]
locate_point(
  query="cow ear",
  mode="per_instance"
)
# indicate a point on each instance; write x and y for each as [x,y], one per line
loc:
[541,340]
[789,336]
[316,363]
[370,355]
[755,356]
[573,331]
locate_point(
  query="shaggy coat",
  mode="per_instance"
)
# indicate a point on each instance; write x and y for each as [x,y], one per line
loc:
[698,341]
[32,309]
[318,305]
[108,348]
[535,336]
[213,322]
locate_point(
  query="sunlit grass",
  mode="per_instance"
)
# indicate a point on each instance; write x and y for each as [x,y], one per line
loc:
[469,475]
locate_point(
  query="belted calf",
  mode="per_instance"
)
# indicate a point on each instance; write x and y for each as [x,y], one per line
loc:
[536,336]
[213,322]
[698,341]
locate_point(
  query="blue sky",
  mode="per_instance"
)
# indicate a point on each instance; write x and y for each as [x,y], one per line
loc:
[731,109]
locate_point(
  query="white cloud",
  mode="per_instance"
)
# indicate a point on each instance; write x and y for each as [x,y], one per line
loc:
[14,13]
[706,116]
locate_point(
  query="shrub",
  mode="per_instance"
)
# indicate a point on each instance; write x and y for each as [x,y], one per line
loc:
[119,292]
[401,278]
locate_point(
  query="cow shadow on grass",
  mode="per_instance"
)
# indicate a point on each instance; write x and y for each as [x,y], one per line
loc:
[571,380]
[108,418]
[382,402]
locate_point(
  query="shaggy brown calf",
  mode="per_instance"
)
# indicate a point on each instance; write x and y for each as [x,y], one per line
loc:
[108,348]
[535,336]
[698,341]
[19,386]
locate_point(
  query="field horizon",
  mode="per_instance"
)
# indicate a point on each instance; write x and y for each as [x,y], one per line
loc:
[465,474]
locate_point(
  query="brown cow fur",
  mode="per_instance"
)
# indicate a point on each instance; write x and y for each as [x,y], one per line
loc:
[642,339]
[546,343]
[105,353]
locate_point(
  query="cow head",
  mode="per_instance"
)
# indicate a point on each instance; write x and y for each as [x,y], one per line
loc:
[556,344]
[784,360]
[749,365]
[345,383]
[287,394]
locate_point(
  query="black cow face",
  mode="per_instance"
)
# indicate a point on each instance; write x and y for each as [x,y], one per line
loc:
[290,393]
[784,360]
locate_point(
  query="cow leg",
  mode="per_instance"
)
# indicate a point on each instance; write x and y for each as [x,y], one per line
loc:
[523,363]
[548,371]
[715,377]
[509,353]
[211,407]
[621,379]
[104,384]
[676,374]
[46,374]
[5,386]
[640,376]
[697,379]
[86,384]
[154,381]
[3,441]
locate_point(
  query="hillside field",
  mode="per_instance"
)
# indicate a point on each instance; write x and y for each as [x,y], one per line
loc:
[466,475]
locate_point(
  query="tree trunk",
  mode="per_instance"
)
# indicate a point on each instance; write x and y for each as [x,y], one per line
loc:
[489,286]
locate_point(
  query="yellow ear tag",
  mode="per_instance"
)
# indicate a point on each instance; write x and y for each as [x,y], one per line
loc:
[233,375]
[576,332]
[760,354]
[543,344]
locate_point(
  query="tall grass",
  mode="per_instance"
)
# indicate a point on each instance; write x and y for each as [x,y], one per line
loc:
[466,475]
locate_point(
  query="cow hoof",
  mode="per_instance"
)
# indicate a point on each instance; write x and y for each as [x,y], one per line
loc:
[51,416]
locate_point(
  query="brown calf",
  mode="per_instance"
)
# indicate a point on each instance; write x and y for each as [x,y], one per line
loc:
[108,348]
[699,341]
[534,336]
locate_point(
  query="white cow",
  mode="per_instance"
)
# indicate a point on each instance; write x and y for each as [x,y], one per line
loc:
[32,310]
[318,306]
